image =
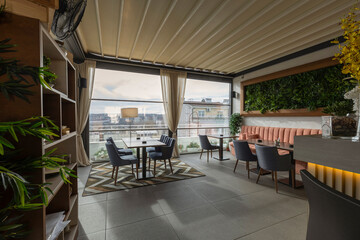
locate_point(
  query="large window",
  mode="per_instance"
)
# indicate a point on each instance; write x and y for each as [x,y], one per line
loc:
[206,110]
[114,90]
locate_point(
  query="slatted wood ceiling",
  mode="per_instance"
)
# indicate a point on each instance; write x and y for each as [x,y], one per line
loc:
[223,36]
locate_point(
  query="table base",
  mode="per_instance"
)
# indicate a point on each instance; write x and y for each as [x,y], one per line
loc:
[149,174]
[219,159]
[298,183]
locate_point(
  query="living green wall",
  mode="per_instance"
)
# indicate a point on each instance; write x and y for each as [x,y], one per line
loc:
[311,90]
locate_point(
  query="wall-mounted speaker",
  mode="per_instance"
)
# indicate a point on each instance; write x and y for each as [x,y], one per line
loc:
[233,94]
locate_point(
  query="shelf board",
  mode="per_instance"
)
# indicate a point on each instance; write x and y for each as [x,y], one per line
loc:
[63,138]
[72,203]
[47,90]
[56,184]
[68,99]
[72,233]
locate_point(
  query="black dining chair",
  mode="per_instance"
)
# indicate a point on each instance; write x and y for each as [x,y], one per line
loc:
[332,214]
[153,149]
[206,145]
[165,153]
[118,160]
[122,151]
[269,159]
[243,152]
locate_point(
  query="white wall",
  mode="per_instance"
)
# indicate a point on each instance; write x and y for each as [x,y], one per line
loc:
[293,122]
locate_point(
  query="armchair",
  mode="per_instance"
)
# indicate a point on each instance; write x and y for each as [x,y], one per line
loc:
[165,153]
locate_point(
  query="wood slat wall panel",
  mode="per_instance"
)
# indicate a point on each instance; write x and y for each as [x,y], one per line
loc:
[343,181]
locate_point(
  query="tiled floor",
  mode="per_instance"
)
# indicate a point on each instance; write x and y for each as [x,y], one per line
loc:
[221,205]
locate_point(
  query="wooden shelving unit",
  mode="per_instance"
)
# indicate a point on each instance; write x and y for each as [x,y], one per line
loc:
[59,104]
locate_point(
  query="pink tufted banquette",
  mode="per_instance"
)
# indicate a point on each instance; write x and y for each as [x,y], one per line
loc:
[273,133]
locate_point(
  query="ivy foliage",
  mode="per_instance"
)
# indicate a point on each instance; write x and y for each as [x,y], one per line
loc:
[311,90]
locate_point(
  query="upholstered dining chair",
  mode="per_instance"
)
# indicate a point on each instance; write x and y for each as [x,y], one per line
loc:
[243,152]
[332,214]
[121,151]
[153,149]
[269,159]
[118,160]
[206,145]
[165,153]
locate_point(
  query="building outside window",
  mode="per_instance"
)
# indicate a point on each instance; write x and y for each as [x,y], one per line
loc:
[206,110]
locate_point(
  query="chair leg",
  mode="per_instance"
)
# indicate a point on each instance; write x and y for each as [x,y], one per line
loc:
[154,167]
[257,180]
[211,152]
[202,150]
[207,155]
[247,168]
[170,166]
[149,163]
[165,164]
[137,170]
[276,182]
[293,177]
[237,160]
[116,174]
[272,175]
[132,168]
[112,175]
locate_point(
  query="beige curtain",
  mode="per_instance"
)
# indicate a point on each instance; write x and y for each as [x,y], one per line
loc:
[173,85]
[86,70]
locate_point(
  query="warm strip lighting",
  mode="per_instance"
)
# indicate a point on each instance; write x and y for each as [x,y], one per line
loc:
[343,181]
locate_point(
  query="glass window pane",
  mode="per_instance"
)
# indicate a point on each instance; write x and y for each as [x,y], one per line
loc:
[199,115]
[107,115]
[112,84]
[206,91]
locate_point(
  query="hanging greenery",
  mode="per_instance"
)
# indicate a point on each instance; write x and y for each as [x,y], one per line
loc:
[311,90]
[349,50]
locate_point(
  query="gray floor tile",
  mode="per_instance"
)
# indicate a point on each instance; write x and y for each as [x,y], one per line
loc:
[178,199]
[93,236]
[157,228]
[132,206]
[291,229]
[204,222]
[92,198]
[258,210]
[92,217]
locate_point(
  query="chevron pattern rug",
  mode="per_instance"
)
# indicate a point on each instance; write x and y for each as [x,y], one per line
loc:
[100,180]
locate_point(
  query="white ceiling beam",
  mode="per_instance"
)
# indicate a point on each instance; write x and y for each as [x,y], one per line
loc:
[140,28]
[168,12]
[305,45]
[309,36]
[119,28]
[200,27]
[335,12]
[214,33]
[215,58]
[254,17]
[99,27]
[187,19]
[272,34]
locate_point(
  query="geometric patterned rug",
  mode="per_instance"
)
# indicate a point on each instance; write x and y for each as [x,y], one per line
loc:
[100,180]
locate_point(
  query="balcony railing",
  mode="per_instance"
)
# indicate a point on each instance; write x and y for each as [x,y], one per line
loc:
[188,139]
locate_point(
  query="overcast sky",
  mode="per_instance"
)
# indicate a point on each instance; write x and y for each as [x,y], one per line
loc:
[127,85]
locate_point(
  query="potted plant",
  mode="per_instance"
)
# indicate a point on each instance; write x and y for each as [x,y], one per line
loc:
[342,121]
[235,123]
[349,57]
[51,77]
[192,147]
